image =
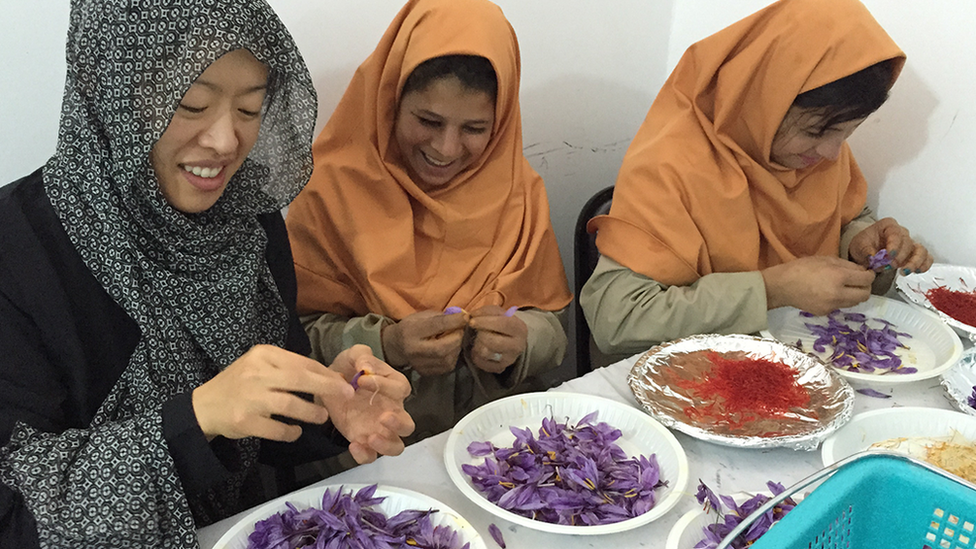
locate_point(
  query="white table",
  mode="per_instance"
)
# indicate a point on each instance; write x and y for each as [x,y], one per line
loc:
[421,468]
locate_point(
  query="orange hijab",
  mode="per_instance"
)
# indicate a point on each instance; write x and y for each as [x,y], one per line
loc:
[697,192]
[366,238]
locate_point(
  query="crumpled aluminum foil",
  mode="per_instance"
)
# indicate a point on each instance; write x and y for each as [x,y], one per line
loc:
[958,382]
[652,382]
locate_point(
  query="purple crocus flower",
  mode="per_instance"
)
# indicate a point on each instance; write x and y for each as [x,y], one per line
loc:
[729,515]
[496,534]
[879,260]
[857,347]
[569,474]
[347,520]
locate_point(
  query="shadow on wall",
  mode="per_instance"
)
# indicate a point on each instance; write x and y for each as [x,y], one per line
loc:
[895,135]
[577,143]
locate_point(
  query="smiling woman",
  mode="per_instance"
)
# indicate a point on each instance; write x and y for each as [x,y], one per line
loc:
[212,132]
[147,297]
[739,193]
[421,200]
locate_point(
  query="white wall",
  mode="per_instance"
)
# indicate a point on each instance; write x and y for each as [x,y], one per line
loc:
[590,71]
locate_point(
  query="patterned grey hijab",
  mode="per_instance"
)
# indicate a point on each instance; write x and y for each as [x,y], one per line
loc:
[197,285]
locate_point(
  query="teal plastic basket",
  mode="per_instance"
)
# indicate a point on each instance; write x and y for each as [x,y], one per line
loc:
[876,500]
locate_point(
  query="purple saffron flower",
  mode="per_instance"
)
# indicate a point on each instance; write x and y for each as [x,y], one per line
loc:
[972,398]
[453,310]
[734,514]
[857,347]
[355,379]
[873,393]
[879,260]
[570,474]
[347,520]
[496,534]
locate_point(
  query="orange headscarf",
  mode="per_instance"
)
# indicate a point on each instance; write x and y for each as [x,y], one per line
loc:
[697,192]
[366,238]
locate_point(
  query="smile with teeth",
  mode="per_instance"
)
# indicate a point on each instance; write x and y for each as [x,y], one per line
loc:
[435,163]
[206,173]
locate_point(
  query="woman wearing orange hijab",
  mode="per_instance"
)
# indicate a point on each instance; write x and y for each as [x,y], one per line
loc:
[420,201]
[739,193]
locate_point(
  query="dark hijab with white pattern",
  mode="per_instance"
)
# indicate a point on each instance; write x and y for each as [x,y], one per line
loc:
[197,285]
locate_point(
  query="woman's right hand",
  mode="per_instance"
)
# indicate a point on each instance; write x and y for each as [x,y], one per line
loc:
[817,284]
[239,401]
[429,342]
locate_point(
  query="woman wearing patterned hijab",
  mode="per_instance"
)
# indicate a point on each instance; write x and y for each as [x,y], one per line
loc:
[421,200]
[146,286]
[739,193]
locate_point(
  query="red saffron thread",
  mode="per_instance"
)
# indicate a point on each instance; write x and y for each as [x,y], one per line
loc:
[743,390]
[957,304]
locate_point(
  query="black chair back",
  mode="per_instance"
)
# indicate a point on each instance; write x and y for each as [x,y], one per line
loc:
[585,256]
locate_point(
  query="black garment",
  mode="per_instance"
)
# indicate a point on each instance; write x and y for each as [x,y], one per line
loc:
[64,342]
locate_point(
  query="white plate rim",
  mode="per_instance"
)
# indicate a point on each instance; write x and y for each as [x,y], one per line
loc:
[246,523]
[939,416]
[895,379]
[675,488]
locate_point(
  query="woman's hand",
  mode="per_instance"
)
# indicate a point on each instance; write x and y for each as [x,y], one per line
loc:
[372,419]
[428,341]
[817,284]
[906,254]
[499,339]
[239,401]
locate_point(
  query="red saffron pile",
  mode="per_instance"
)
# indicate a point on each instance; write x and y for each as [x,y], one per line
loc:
[743,390]
[957,304]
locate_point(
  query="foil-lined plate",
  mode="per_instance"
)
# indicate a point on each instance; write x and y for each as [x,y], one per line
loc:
[960,380]
[655,378]
[954,277]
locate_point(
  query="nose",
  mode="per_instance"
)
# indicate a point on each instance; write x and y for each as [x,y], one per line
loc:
[221,135]
[830,149]
[447,143]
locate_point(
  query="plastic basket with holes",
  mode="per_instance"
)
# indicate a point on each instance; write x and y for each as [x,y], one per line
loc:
[876,500]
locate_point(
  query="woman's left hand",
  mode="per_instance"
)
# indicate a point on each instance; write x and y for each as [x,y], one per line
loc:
[372,419]
[906,254]
[499,339]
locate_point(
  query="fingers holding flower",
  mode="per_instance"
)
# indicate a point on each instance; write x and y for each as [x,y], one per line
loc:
[886,234]
[372,418]
[500,337]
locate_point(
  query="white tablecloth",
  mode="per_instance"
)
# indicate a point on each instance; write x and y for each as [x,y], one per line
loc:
[421,468]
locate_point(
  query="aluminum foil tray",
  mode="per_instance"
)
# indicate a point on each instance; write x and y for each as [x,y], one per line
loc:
[653,381]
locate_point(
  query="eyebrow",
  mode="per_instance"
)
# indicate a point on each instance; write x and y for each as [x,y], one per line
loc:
[432,114]
[248,91]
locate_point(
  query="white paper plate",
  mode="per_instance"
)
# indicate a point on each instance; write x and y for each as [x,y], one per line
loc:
[959,381]
[397,499]
[687,532]
[954,277]
[933,347]
[641,436]
[879,425]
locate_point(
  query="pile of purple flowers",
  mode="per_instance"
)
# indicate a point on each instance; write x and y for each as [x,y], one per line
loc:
[348,521]
[725,523]
[573,475]
[858,347]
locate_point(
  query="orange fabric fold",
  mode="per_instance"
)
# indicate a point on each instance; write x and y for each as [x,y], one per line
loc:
[697,192]
[366,238]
